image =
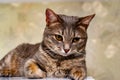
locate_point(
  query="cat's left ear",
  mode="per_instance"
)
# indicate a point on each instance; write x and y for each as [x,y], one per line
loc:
[51,16]
[85,21]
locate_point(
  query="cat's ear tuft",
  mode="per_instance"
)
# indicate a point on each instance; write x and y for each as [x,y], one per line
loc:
[85,21]
[51,17]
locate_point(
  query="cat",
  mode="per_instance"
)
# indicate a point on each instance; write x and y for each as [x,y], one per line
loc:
[61,53]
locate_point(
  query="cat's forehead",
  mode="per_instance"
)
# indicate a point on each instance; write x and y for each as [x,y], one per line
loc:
[69,19]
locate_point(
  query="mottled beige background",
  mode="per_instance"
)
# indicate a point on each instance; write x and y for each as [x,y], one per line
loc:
[25,23]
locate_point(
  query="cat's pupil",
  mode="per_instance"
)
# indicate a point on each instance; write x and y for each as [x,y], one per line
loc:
[59,38]
[75,39]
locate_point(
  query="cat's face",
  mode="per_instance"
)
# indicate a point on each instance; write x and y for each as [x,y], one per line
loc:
[66,35]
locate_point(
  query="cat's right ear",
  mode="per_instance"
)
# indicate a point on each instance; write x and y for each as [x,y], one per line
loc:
[85,21]
[51,17]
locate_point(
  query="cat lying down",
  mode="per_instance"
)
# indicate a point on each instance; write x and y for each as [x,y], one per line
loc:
[61,53]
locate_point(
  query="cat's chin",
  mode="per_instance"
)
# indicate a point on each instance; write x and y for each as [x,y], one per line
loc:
[65,54]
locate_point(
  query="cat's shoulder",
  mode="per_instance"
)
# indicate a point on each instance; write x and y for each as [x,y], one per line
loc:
[26,50]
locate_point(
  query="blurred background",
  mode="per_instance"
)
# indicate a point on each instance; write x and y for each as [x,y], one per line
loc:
[25,23]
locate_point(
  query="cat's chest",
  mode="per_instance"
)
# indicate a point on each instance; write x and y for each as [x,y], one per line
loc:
[61,68]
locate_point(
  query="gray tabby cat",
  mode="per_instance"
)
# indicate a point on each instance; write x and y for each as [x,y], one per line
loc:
[60,54]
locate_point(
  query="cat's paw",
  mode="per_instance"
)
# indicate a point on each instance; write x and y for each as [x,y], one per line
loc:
[32,70]
[78,74]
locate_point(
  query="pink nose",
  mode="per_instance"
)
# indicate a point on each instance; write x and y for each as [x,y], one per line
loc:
[66,50]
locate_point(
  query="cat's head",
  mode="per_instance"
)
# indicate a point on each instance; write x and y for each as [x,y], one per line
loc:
[66,35]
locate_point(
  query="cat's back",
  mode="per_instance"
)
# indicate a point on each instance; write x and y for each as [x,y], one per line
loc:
[27,50]
[21,52]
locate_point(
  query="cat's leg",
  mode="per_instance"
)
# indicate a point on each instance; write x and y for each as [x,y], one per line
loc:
[8,70]
[8,66]
[4,72]
[78,73]
[32,70]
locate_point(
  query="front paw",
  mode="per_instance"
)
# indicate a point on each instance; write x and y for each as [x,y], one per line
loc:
[78,74]
[32,70]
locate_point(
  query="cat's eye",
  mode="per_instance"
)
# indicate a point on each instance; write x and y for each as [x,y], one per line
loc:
[59,37]
[76,39]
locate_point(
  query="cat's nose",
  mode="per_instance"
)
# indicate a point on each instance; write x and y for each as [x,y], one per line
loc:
[66,50]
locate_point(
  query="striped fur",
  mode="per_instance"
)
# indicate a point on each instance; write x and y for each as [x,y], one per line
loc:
[49,58]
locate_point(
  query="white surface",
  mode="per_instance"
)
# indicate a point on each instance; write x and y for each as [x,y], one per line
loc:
[90,78]
[20,78]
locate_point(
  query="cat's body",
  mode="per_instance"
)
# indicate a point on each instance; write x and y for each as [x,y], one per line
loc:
[61,53]
[12,63]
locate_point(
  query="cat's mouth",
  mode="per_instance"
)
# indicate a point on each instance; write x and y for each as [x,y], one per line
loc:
[63,53]
[67,54]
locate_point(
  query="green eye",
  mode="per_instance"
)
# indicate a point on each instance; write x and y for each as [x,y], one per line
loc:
[58,37]
[75,39]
